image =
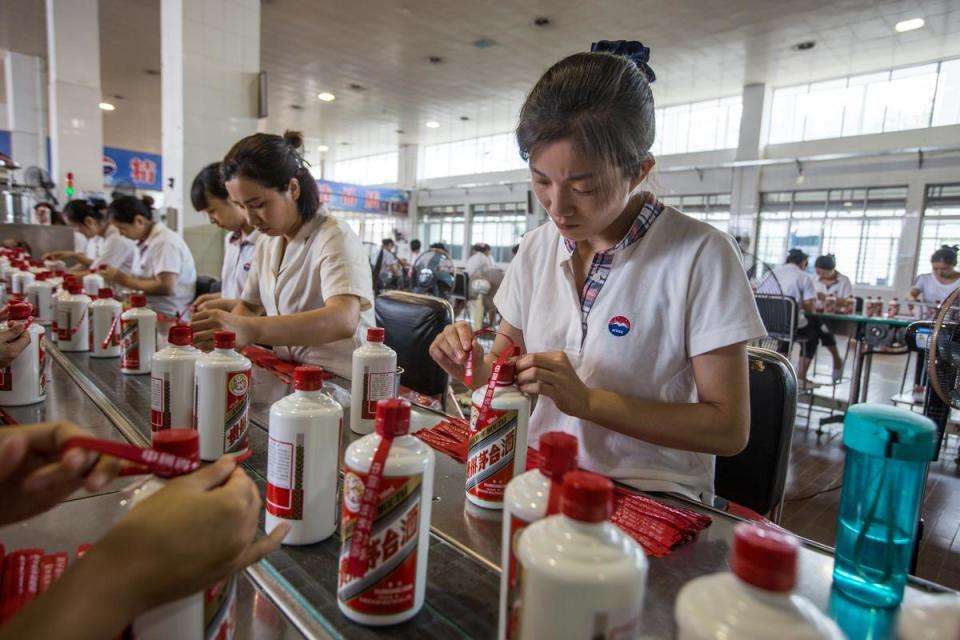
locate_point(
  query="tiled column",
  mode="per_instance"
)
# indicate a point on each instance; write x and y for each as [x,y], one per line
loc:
[23,77]
[76,124]
[211,58]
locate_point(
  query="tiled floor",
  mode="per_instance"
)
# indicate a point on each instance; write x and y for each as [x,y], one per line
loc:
[816,470]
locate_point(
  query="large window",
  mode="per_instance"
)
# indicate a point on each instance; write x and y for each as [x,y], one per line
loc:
[476,155]
[700,126]
[713,208]
[500,225]
[916,97]
[941,222]
[379,169]
[861,227]
[442,224]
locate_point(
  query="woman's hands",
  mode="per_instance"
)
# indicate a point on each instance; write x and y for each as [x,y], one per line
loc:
[61,255]
[205,323]
[450,350]
[34,476]
[213,301]
[112,274]
[552,375]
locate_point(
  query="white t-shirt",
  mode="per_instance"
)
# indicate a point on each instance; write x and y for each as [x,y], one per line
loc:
[793,282]
[237,262]
[679,292]
[325,259]
[164,251]
[841,287]
[477,262]
[116,251]
[932,290]
[81,244]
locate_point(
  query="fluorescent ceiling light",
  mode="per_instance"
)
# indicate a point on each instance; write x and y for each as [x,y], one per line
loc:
[909,25]
[432,124]
[326,97]
[106,106]
[323,148]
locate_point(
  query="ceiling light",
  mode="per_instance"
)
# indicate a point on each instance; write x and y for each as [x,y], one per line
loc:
[326,96]
[909,25]
[464,118]
[541,21]
[432,124]
[323,148]
[804,46]
[434,59]
[297,107]
[106,106]
[848,203]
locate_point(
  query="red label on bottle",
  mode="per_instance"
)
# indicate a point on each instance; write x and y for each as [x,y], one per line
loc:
[129,344]
[387,585]
[285,478]
[160,402]
[6,379]
[490,455]
[220,610]
[377,386]
[517,525]
[42,359]
[235,416]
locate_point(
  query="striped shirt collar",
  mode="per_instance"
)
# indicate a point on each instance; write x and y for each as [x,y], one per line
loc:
[648,213]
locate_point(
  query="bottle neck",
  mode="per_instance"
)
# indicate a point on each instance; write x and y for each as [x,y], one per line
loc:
[302,393]
[772,598]
[589,528]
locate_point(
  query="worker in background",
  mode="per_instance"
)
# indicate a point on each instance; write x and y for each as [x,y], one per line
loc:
[310,293]
[199,529]
[943,279]
[164,268]
[386,269]
[479,258]
[210,196]
[595,296]
[830,282]
[113,250]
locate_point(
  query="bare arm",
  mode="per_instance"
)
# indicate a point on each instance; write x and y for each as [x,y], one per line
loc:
[915,293]
[162,284]
[809,306]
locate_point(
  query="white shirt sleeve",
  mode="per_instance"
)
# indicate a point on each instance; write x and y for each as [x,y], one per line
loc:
[846,288]
[116,252]
[344,270]
[807,290]
[721,309]
[513,291]
[166,258]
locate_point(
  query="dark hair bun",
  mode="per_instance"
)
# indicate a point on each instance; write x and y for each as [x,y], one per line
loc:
[293,138]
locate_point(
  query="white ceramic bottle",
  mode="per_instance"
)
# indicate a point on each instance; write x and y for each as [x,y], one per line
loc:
[40,295]
[755,600]
[580,576]
[222,398]
[24,381]
[303,454]
[73,320]
[172,381]
[187,618]
[92,283]
[105,322]
[391,587]
[529,497]
[498,448]
[20,280]
[374,379]
[138,336]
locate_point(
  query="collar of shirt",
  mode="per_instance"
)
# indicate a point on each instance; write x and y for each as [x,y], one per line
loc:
[238,237]
[648,213]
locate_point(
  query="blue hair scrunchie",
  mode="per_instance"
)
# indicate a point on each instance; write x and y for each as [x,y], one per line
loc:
[635,51]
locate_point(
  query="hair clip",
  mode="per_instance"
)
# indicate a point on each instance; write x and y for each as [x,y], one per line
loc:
[635,51]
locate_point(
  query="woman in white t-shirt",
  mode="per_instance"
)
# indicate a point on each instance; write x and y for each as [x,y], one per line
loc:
[164,268]
[830,282]
[309,293]
[943,279]
[633,316]
[114,250]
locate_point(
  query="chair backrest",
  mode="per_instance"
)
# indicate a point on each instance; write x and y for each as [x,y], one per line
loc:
[779,314]
[207,284]
[461,285]
[411,322]
[756,477]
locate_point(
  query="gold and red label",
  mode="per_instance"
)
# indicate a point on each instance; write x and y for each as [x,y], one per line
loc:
[491,453]
[235,415]
[129,344]
[285,477]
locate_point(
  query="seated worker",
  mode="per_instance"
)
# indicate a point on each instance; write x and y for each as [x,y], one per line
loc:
[386,270]
[479,259]
[165,269]
[943,279]
[113,250]
[210,196]
[644,362]
[199,529]
[830,282]
[792,280]
[309,294]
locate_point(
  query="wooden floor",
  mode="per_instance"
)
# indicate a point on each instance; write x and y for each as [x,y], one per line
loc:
[816,471]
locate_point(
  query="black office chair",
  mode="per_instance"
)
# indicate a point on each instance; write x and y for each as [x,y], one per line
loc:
[411,322]
[461,288]
[756,477]
[779,315]
[207,284]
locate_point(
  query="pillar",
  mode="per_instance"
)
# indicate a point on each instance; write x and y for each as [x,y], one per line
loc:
[23,77]
[76,124]
[745,182]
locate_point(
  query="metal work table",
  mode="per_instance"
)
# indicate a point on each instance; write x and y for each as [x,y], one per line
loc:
[463,581]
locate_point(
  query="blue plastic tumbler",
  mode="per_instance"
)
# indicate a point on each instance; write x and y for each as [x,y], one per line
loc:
[888,450]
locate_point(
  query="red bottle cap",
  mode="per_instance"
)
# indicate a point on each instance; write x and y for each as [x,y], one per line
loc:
[393,418]
[508,372]
[376,334]
[74,287]
[180,335]
[308,378]
[138,300]
[558,454]
[764,557]
[40,277]
[104,292]
[587,497]
[224,339]
[179,442]
[20,311]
